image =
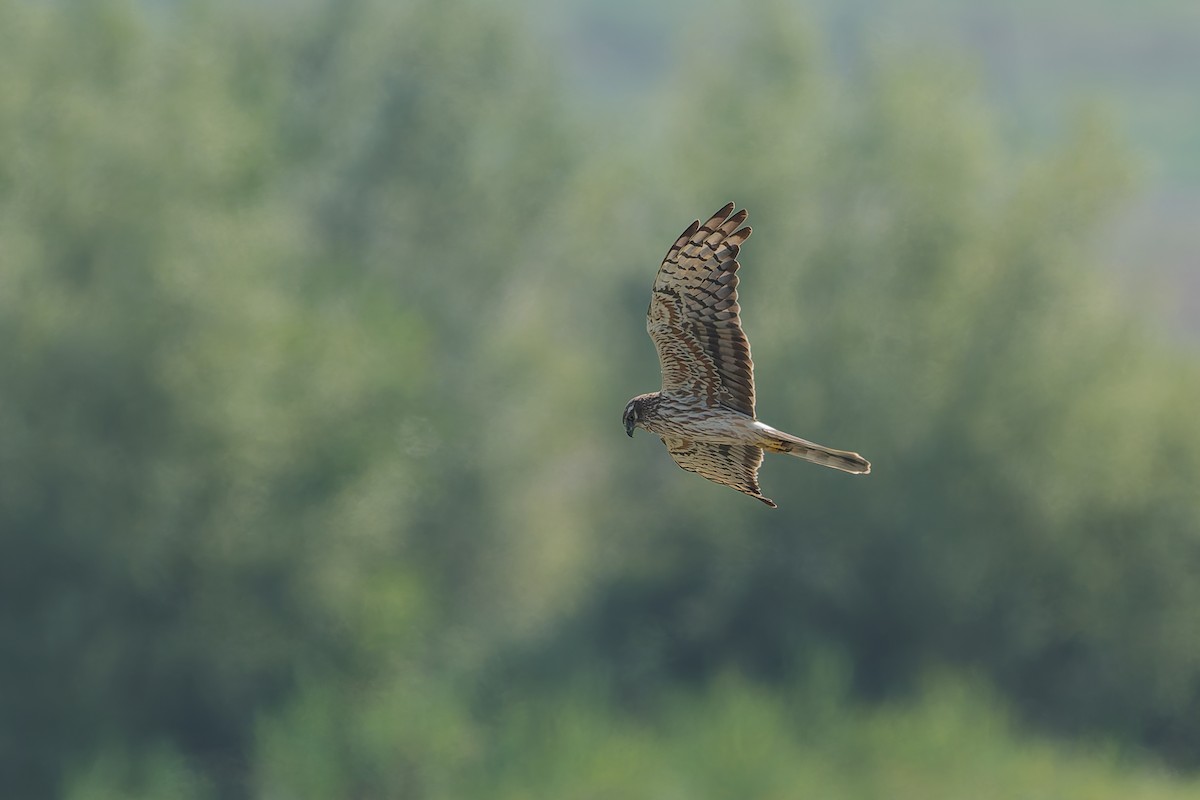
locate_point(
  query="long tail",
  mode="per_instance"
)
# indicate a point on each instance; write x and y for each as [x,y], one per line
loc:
[776,441]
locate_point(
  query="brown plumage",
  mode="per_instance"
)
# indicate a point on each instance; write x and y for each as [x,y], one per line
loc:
[705,410]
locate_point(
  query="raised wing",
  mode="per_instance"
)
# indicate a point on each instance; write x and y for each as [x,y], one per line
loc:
[694,314]
[734,465]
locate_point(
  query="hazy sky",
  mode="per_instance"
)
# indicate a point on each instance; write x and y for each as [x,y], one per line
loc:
[1037,61]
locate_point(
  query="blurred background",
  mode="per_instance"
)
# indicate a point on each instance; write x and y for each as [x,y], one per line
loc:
[318,319]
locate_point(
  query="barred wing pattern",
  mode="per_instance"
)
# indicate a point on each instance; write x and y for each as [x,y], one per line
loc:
[693,316]
[733,465]
[705,411]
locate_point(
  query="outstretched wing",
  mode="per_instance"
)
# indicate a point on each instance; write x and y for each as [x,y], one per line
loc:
[734,465]
[694,314]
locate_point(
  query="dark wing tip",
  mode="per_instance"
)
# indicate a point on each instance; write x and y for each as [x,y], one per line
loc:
[766,500]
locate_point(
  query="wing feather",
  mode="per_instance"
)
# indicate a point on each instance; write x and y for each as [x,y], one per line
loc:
[694,317]
[733,465]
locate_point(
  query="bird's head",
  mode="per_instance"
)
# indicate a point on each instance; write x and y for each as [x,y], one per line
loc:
[630,417]
[635,413]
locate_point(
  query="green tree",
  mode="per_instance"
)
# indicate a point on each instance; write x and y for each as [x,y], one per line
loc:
[203,452]
[922,295]
[319,321]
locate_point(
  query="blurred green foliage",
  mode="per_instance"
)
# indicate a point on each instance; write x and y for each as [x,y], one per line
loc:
[319,318]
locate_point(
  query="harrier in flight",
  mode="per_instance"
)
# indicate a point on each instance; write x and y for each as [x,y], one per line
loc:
[705,411]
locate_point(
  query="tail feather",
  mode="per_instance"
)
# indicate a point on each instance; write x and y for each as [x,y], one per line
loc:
[779,442]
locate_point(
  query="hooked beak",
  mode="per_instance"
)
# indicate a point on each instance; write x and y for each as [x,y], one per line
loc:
[629,426]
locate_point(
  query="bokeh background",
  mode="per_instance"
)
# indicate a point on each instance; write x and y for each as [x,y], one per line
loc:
[316,323]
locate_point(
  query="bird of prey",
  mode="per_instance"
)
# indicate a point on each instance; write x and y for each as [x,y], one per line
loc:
[705,411]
